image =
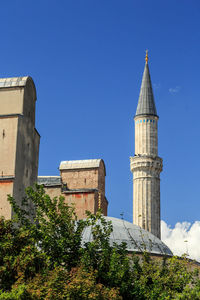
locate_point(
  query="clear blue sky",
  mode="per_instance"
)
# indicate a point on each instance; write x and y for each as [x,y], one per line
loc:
[87,58]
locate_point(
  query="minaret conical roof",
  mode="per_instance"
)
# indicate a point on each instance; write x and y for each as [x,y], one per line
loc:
[146,104]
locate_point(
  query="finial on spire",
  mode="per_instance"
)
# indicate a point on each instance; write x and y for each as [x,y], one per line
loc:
[146,57]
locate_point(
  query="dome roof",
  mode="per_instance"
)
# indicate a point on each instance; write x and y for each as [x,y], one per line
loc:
[136,238]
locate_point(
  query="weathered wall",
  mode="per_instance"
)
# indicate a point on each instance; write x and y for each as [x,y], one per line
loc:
[11,100]
[91,178]
[8,140]
[53,191]
[84,178]
[26,166]
[82,202]
[80,179]
[101,178]
[19,140]
[104,206]
[82,183]
[6,188]
[29,102]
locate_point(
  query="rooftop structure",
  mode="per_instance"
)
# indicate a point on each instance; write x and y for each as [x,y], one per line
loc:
[81,164]
[81,182]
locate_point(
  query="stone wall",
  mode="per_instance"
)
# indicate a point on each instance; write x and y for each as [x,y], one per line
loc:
[80,179]
[19,140]
[82,201]
[6,188]
[82,183]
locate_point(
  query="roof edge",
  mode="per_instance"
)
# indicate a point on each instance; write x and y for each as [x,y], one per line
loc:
[17,82]
[82,164]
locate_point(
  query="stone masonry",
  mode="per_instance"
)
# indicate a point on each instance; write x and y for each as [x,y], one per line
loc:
[82,183]
[19,145]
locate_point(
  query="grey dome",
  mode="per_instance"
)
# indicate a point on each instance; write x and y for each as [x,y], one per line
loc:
[136,238]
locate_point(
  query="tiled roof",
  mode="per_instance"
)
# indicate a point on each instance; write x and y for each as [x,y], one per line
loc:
[13,81]
[49,180]
[146,104]
[80,164]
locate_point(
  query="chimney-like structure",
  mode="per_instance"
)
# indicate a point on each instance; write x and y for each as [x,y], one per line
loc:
[146,165]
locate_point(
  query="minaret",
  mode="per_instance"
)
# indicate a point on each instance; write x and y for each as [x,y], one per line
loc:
[146,165]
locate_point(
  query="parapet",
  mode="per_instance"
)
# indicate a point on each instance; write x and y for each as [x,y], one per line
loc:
[82,164]
[16,82]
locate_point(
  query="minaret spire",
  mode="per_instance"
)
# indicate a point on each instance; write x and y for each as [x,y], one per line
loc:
[146,165]
[146,57]
[146,103]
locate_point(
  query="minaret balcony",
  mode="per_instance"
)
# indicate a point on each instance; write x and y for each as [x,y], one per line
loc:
[146,162]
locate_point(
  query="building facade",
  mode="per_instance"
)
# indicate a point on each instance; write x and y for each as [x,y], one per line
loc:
[146,165]
[82,183]
[19,145]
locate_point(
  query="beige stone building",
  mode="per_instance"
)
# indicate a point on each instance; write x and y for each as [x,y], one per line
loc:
[19,145]
[146,165]
[82,183]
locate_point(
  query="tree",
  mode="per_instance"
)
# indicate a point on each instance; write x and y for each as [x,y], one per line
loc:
[46,259]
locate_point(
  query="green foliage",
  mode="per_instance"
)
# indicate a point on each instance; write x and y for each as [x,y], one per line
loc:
[111,263]
[75,284]
[55,230]
[44,259]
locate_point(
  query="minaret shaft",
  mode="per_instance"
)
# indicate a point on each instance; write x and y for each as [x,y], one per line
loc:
[146,165]
[146,137]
